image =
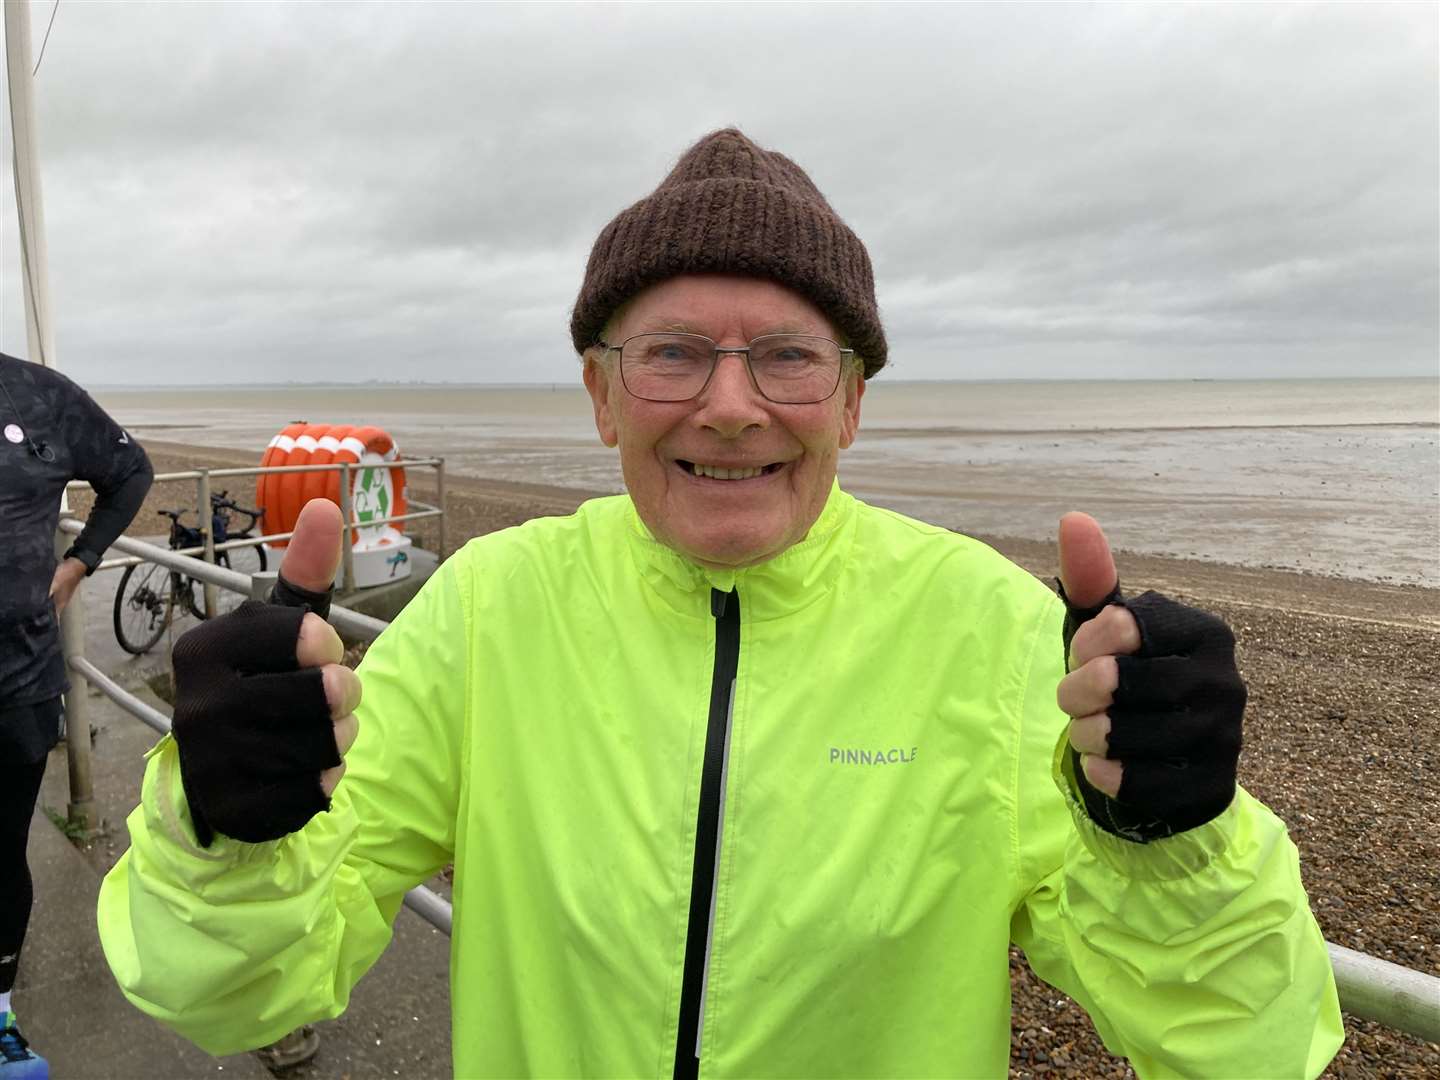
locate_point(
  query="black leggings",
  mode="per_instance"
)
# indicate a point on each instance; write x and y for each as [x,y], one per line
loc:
[19,788]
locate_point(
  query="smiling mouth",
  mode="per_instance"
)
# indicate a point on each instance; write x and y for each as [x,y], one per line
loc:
[715,472]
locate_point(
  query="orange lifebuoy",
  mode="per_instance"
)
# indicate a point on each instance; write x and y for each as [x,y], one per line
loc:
[267,485]
[283,494]
[324,485]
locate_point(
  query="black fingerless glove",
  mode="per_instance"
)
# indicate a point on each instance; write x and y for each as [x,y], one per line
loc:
[253,728]
[289,595]
[1175,724]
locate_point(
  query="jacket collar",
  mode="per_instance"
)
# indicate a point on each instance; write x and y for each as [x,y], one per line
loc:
[794,579]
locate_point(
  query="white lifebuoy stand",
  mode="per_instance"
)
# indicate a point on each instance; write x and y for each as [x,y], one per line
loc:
[381,553]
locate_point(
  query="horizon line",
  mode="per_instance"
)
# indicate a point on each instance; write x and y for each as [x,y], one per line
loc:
[577,385]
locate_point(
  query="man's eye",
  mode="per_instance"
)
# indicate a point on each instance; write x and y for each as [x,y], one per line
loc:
[673,354]
[789,354]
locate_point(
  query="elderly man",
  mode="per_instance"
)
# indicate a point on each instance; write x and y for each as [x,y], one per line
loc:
[740,776]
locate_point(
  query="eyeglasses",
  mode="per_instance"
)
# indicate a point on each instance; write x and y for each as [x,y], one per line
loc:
[788,369]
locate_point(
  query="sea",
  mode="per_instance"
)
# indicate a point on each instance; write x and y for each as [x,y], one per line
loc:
[1332,476]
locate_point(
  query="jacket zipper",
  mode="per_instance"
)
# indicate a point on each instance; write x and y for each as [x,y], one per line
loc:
[725,608]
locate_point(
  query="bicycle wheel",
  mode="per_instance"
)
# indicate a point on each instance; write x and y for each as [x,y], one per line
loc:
[144,602]
[246,560]
[191,594]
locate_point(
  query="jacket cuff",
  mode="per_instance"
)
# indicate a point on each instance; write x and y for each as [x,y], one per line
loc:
[1169,859]
[167,811]
[84,555]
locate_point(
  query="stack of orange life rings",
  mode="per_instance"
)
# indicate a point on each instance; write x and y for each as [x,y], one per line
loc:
[283,494]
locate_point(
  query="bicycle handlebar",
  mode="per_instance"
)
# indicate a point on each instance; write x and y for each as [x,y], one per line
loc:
[219,502]
[216,503]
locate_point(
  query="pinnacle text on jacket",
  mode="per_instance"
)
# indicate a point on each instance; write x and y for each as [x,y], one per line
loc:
[893,756]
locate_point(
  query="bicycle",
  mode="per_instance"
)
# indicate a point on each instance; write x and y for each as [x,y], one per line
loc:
[148,593]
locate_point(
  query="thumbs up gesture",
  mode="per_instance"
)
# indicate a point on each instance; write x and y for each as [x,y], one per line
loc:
[264,711]
[1155,700]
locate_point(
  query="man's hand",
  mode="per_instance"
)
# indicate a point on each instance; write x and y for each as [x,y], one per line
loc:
[264,711]
[65,581]
[1153,694]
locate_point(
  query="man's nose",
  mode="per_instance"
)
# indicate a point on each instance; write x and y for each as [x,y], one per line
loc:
[730,402]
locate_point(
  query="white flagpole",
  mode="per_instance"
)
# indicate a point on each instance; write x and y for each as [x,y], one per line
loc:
[34,266]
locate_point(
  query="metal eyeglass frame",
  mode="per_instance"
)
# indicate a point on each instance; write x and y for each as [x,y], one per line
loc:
[847,356]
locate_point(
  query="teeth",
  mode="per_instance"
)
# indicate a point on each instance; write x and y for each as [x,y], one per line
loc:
[725,474]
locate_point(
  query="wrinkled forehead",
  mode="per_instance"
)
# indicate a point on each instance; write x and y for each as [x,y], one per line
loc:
[720,306]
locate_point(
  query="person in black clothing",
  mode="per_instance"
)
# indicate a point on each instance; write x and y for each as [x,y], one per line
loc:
[51,432]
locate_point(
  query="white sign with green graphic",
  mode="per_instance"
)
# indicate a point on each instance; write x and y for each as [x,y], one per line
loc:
[372,496]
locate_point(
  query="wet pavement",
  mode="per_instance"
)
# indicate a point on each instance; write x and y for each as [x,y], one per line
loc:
[398,1022]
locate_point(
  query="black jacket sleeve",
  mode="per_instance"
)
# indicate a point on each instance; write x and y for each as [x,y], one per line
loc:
[115,465]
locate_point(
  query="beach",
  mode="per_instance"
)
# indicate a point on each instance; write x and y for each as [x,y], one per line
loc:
[1340,742]
[1331,476]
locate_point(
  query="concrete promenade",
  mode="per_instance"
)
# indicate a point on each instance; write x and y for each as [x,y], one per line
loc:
[398,1023]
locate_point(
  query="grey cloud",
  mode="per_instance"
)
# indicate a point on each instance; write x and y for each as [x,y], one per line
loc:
[1183,189]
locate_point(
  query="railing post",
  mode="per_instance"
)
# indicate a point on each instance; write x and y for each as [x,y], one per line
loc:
[440,499]
[261,584]
[81,811]
[203,483]
[347,513]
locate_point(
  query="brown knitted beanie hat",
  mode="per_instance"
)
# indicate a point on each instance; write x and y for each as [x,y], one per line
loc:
[729,207]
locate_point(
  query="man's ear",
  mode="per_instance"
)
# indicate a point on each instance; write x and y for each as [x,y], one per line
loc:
[598,382]
[850,415]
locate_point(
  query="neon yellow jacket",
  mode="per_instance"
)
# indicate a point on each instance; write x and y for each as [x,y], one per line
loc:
[894,816]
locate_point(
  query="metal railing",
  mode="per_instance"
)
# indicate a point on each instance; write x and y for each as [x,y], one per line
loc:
[1369,988]
[203,487]
[427,904]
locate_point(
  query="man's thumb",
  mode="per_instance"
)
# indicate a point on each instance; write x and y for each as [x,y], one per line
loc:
[313,555]
[1087,569]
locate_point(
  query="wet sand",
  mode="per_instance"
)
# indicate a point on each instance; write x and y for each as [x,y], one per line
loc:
[1340,741]
[1324,476]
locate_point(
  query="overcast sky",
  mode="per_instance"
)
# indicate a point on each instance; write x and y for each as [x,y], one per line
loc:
[263,192]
